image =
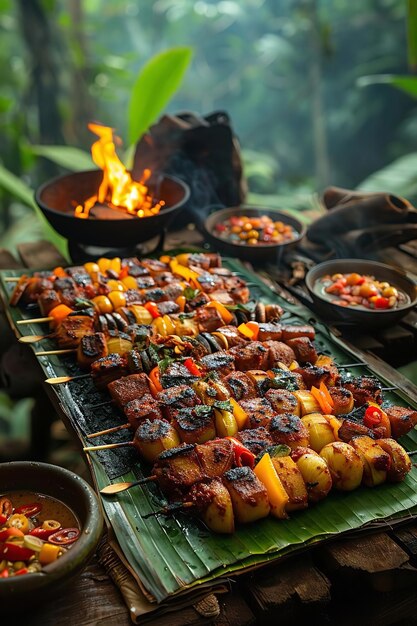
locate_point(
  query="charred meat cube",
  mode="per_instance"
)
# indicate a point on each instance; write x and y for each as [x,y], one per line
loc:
[270,331]
[219,361]
[402,420]
[210,282]
[208,319]
[154,295]
[127,388]
[48,300]
[304,349]
[145,282]
[222,296]
[251,356]
[288,429]
[351,428]
[107,369]
[145,408]
[195,424]
[165,278]
[91,348]
[290,331]
[82,279]
[343,401]
[233,336]
[284,379]
[255,439]
[72,329]
[177,374]
[154,266]
[313,375]
[173,290]
[175,398]
[364,389]
[248,494]
[34,287]
[237,289]
[240,385]
[62,284]
[216,457]
[69,297]
[134,296]
[199,300]
[178,469]
[259,411]
[134,362]
[135,268]
[168,307]
[278,352]
[282,401]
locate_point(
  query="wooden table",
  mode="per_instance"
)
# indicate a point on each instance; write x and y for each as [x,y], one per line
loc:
[367,580]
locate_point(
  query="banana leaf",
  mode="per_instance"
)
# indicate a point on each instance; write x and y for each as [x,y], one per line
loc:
[171,556]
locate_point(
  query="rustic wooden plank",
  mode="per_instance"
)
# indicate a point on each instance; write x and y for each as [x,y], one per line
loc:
[287,590]
[407,539]
[40,254]
[375,560]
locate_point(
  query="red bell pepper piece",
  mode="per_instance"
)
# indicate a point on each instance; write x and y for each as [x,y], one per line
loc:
[243,456]
[4,573]
[153,309]
[192,367]
[23,570]
[381,303]
[372,417]
[12,552]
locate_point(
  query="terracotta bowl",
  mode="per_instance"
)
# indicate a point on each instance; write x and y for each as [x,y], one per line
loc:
[25,591]
[271,252]
[369,318]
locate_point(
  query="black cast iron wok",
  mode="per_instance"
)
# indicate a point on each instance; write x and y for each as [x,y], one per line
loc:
[369,318]
[58,197]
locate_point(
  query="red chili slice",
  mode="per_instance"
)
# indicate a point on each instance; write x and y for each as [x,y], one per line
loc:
[192,367]
[42,533]
[30,510]
[372,417]
[12,552]
[64,536]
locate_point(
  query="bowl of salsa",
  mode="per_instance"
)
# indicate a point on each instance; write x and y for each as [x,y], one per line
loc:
[50,525]
[361,292]
[253,233]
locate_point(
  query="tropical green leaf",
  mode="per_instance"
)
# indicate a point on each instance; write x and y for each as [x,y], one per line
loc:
[408,84]
[412,33]
[155,85]
[399,177]
[19,189]
[72,159]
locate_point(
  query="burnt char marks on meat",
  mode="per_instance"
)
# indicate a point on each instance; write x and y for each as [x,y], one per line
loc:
[364,389]
[304,349]
[270,331]
[402,419]
[177,374]
[198,301]
[278,352]
[234,338]
[288,429]
[107,369]
[259,411]
[219,361]
[127,388]
[168,307]
[255,439]
[290,331]
[282,401]
[240,385]
[216,457]
[208,319]
[194,426]
[146,408]
[251,356]
[313,375]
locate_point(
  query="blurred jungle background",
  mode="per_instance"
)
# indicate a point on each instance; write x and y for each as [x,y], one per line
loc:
[318,93]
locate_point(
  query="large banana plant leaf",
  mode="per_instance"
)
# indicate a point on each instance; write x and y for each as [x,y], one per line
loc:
[171,556]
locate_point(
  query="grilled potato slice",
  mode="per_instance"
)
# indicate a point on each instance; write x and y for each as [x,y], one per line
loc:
[293,483]
[345,465]
[400,461]
[307,402]
[209,393]
[375,460]
[315,473]
[319,429]
[218,515]
[154,437]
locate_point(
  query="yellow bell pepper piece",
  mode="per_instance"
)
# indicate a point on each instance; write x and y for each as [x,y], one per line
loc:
[225,314]
[241,416]
[160,326]
[278,497]
[92,269]
[244,330]
[104,264]
[116,264]
[170,326]
[182,259]
[182,271]
[117,298]
[129,282]
[48,554]
[165,259]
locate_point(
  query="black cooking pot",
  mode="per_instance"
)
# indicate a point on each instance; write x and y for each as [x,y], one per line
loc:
[369,318]
[58,197]
[260,253]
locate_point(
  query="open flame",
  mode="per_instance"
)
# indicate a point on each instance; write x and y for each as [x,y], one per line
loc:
[117,189]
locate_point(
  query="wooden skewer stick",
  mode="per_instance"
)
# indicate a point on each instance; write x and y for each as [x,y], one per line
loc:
[35,320]
[388,388]
[170,508]
[49,352]
[351,365]
[33,338]
[100,404]
[59,380]
[115,429]
[108,446]
[118,487]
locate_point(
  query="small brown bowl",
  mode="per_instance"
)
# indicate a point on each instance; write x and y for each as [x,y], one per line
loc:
[271,252]
[372,318]
[56,482]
